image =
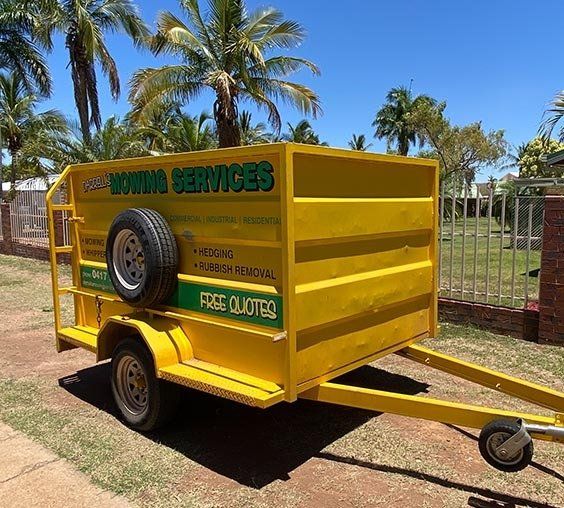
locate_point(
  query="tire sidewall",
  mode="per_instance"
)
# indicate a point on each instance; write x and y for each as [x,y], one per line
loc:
[510,428]
[146,419]
[140,224]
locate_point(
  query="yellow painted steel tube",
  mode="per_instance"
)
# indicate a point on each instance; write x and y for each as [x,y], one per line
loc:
[515,387]
[52,247]
[465,415]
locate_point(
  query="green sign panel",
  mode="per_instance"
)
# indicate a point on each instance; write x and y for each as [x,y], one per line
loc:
[257,308]
[96,278]
[251,307]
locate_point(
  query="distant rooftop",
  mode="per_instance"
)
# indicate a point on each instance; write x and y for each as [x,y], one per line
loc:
[38,183]
[555,159]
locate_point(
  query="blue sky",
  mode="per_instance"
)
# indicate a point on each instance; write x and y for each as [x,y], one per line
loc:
[493,61]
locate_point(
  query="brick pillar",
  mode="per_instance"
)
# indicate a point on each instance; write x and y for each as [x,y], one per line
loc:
[59,225]
[7,246]
[551,291]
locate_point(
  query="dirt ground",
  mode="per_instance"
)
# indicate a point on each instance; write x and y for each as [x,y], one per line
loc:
[219,453]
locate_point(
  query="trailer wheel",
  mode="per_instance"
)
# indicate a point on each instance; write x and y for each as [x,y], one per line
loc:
[142,257]
[145,402]
[493,435]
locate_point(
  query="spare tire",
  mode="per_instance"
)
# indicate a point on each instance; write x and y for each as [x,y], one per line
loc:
[142,257]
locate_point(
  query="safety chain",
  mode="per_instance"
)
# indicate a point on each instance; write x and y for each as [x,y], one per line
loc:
[99,303]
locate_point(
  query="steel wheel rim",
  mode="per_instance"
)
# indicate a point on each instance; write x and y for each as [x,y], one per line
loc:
[128,259]
[132,385]
[494,442]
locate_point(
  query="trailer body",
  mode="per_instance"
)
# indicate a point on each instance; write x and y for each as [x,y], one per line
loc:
[266,272]
[296,263]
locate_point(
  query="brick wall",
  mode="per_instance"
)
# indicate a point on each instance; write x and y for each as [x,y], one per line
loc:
[518,323]
[8,246]
[551,294]
[6,243]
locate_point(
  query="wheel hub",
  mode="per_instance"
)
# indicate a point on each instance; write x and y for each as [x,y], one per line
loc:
[132,384]
[128,259]
[495,442]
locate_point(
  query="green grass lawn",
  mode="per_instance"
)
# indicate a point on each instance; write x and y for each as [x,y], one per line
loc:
[473,268]
[322,455]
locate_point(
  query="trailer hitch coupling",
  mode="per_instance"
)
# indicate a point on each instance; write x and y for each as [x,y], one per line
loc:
[547,430]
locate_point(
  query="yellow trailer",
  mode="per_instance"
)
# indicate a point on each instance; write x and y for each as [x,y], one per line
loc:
[261,273]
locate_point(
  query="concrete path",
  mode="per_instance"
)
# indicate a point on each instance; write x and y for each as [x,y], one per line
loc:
[31,475]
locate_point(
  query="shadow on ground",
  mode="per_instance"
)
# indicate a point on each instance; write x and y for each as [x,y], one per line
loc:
[251,446]
[255,447]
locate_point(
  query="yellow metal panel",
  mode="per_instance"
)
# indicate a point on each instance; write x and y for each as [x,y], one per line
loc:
[79,336]
[319,218]
[325,173]
[238,349]
[365,264]
[330,300]
[358,362]
[334,259]
[434,254]
[288,236]
[325,348]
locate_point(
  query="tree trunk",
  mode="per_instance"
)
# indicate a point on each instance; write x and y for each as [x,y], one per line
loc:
[225,114]
[403,146]
[13,174]
[78,74]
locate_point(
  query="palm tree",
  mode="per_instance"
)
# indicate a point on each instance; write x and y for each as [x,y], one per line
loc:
[114,140]
[393,119]
[225,51]
[19,52]
[190,134]
[515,156]
[154,127]
[251,134]
[302,133]
[359,143]
[24,131]
[84,24]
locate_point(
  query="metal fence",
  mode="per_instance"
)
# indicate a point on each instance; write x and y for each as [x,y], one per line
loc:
[28,216]
[28,219]
[490,245]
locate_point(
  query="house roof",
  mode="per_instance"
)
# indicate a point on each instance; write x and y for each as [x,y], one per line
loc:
[555,159]
[38,183]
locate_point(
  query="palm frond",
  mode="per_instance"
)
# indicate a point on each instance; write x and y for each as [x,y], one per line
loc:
[23,56]
[121,15]
[294,94]
[552,116]
[151,86]
[281,66]
[109,68]
[174,36]
[287,34]
[260,21]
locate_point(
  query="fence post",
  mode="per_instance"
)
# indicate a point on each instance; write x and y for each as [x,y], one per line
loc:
[551,290]
[7,247]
